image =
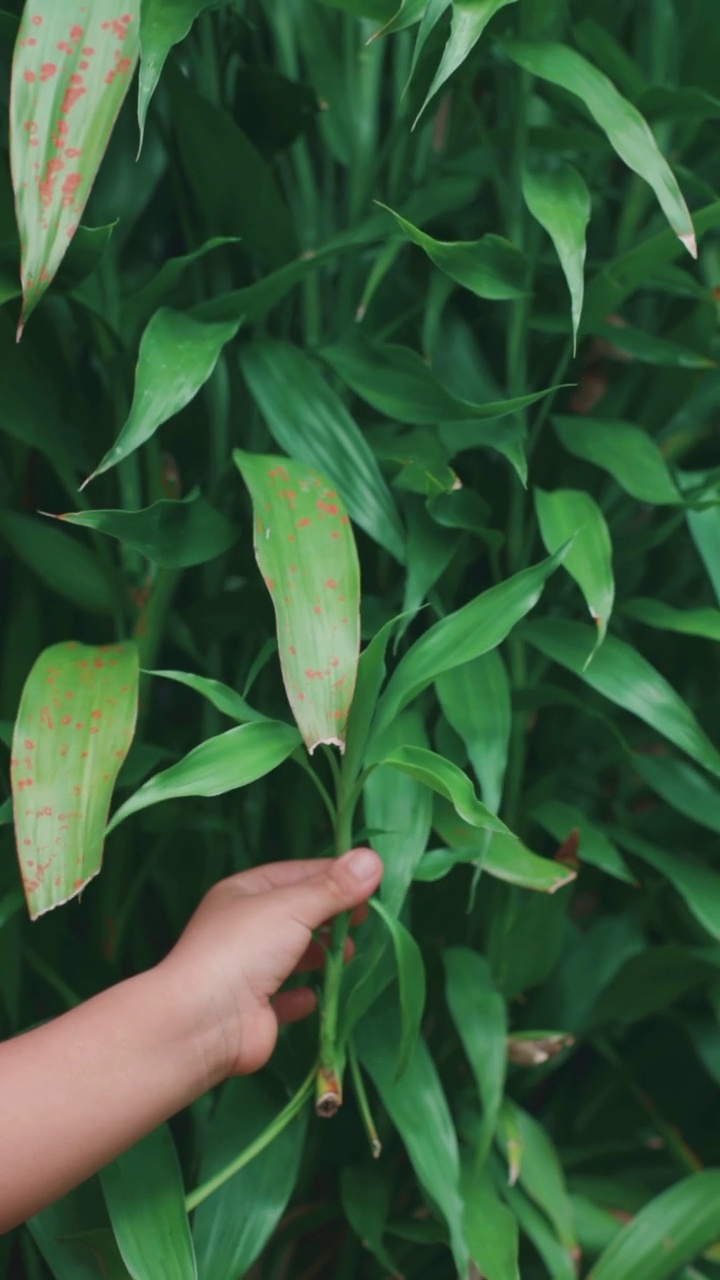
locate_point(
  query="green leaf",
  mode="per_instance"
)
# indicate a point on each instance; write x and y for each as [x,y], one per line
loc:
[398,811]
[697,884]
[143,302]
[626,452]
[232,1226]
[177,355]
[649,348]
[306,552]
[478,1011]
[59,127]
[396,381]
[73,729]
[704,529]
[502,856]
[230,760]
[61,562]
[475,698]
[560,201]
[145,1198]
[411,984]
[444,778]
[468,633]
[689,622]
[469,20]
[490,268]
[568,514]
[227,700]
[624,677]
[431,1145]
[163,23]
[310,423]
[681,785]
[370,677]
[557,1260]
[491,1230]
[669,1231]
[595,847]
[626,130]
[541,1175]
[174,534]
[365,1192]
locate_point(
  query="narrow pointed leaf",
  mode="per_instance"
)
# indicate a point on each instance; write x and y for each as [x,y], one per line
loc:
[72,66]
[59,559]
[411,984]
[370,677]
[469,20]
[560,201]
[172,534]
[398,810]
[227,700]
[573,514]
[490,268]
[669,1231]
[501,856]
[626,452]
[146,1201]
[541,1175]
[396,381]
[683,786]
[475,699]
[305,549]
[471,631]
[311,423]
[704,529]
[177,355]
[697,884]
[443,777]
[74,726]
[649,348]
[163,23]
[366,1193]
[624,677]
[690,622]
[626,130]
[142,303]
[595,847]
[491,1230]
[230,760]
[478,1011]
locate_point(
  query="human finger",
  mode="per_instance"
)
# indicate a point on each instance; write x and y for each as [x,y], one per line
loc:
[278,875]
[314,956]
[292,1006]
[341,886]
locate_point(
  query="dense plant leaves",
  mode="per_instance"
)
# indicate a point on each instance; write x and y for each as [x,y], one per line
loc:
[491,1230]
[557,1260]
[371,673]
[227,1238]
[595,847]
[143,302]
[541,1175]
[475,698]
[681,785]
[469,20]
[396,381]
[365,1192]
[145,1198]
[305,550]
[163,23]
[629,455]
[431,1146]
[398,810]
[573,514]
[311,423]
[502,856]
[73,729]
[697,884]
[669,1231]
[690,622]
[230,760]
[444,778]
[72,1248]
[478,1011]
[177,355]
[175,534]
[704,529]
[225,699]
[60,561]
[71,70]
[471,631]
[626,130]
[559,200]
[411,983]
[624,340]
[489,268]
[622,675]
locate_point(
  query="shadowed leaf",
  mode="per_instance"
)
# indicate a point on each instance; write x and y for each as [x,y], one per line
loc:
[175,534]
[560,201]
[489,268]
[670,1230]
[469,20]
[626,452]
[573,514]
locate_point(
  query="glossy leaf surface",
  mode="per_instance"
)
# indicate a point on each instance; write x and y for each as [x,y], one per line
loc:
[502,856]
[669,1231]
[478,1011]
[163,23]
[175,535]
[573,514]
[626,452]
[146,1201]
[689,622]
[625,677]
[73,730]
[475,698]
[469,20]
[489,268]
[559,200]
[444,777]
[311,423]
[305,550]
[626,130]
[72,67]
[230,760]
[177,355]
[225,699]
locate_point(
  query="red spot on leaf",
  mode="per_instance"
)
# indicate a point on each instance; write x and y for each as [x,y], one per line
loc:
[292,650]
[88,50]
[47,70]
[36,20]
[334,662]
[29,76]
[29,744]
[76,33]
[70,98]
[302,524]
[317,609]
[330,582]
[329,507]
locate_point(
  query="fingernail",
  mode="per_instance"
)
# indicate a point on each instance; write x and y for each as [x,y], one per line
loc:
[363,863]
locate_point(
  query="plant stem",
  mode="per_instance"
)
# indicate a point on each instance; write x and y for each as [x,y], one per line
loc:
[276,1126]
[330,1067]
[362,1101]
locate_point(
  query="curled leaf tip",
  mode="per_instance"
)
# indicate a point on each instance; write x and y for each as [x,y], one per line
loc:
[327,742]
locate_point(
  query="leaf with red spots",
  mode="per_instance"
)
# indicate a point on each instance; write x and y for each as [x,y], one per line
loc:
[73,730]
[305,550]
[72,66]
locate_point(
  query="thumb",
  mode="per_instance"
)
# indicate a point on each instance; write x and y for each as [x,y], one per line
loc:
[342,885]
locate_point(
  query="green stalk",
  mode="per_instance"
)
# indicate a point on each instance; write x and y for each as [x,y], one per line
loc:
[362,1101]
[330,1066]
[263,1140]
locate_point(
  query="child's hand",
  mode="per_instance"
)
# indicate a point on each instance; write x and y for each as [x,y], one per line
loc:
[248,935]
